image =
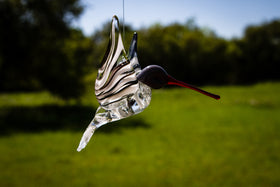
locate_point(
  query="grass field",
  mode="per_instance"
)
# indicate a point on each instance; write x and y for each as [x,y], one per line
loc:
[181,139]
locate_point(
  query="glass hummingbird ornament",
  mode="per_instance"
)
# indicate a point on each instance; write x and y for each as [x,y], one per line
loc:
[121,87]
[117,88]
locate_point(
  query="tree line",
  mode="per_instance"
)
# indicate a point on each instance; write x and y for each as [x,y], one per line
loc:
[40,50]
[198,55]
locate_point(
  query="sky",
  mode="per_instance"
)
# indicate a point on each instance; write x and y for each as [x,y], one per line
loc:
[227,18]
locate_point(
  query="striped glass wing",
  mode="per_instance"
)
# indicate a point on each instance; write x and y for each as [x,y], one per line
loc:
[116,77]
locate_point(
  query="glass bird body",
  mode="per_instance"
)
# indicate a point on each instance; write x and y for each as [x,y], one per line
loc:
[117,88]
[122,88]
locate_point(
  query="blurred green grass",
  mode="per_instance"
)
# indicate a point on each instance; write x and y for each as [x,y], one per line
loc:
[181,139]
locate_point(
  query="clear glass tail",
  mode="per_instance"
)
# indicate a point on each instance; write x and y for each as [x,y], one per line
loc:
[86,136]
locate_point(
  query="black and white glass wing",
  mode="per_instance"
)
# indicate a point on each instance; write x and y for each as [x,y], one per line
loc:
[117,88]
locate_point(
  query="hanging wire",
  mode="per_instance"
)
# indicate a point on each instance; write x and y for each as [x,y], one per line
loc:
[123,23]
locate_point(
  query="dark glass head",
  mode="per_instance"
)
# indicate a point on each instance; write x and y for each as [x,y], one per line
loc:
[156,77]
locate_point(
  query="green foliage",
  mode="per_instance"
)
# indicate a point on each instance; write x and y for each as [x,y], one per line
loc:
[262,49]
[40,50]
[186,52]
[197,55]
[181,139]
[65,70]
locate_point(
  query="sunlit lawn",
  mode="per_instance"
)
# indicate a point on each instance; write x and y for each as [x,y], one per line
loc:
[181,139]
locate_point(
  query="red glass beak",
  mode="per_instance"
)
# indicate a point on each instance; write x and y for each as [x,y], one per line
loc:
[173,81]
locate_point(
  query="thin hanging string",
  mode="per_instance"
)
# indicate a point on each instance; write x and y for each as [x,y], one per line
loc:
[123,24]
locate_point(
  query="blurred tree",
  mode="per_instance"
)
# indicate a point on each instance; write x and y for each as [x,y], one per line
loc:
[261,46]
[199,56]
[39,49]
[190,53]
